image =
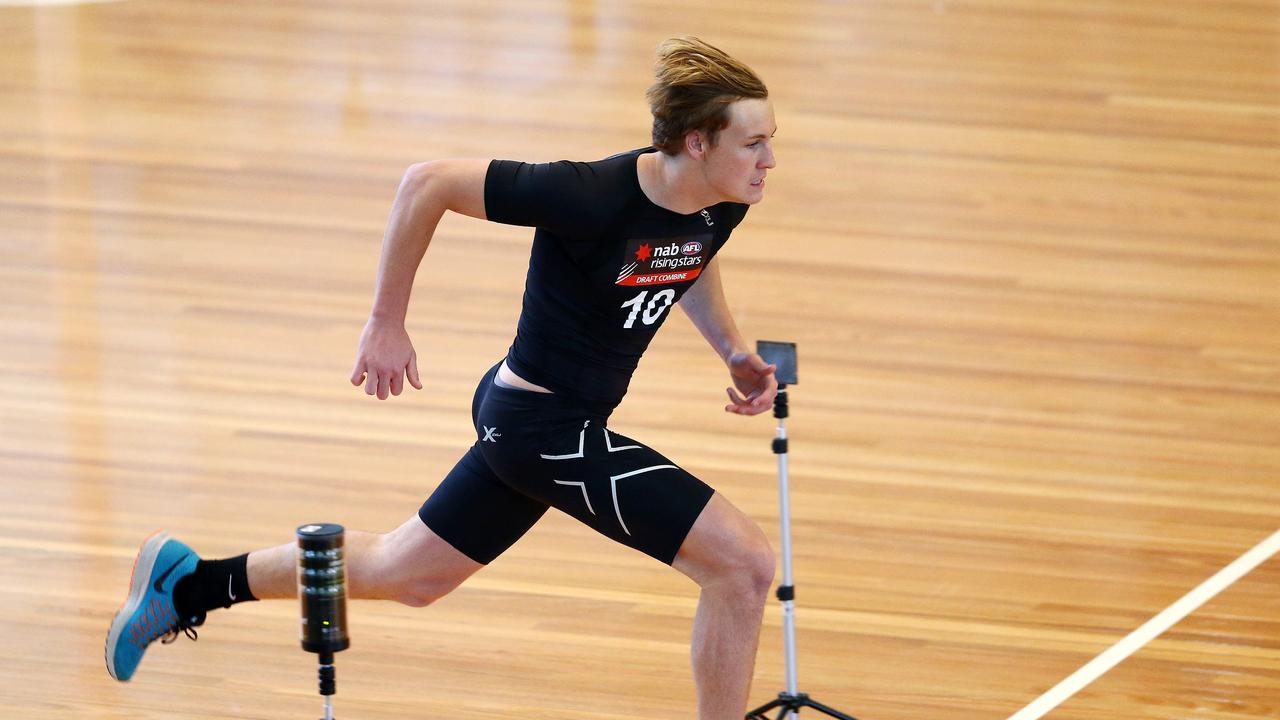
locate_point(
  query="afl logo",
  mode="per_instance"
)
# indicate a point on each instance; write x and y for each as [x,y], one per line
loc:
[691,248]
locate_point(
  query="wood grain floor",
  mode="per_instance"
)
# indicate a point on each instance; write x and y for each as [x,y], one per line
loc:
[1030,252]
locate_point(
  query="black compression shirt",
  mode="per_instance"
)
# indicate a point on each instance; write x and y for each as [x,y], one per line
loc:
[607,265]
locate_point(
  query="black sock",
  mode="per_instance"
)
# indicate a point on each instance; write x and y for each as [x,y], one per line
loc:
[214,584]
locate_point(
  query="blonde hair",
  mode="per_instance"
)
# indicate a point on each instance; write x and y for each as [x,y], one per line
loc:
[696,83]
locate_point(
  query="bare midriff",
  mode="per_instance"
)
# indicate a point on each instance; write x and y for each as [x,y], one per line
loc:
[507,378]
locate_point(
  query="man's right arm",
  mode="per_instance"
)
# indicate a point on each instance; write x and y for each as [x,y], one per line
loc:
[385,354]
[427,190]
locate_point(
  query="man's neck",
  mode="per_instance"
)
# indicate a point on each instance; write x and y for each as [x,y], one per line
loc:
[674,183]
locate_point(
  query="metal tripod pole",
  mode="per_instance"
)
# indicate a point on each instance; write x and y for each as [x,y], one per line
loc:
[786,591]
[788,702]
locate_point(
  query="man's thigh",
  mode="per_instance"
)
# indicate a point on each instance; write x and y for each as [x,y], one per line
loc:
[477,513]
[618,486]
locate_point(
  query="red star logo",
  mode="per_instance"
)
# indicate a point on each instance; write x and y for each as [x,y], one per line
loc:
[643,253]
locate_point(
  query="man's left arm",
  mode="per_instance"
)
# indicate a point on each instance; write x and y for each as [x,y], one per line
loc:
[753,380]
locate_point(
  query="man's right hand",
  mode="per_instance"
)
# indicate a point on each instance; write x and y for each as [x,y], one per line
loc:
[384,358]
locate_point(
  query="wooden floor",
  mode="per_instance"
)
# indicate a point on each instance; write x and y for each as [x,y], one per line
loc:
[1030,252]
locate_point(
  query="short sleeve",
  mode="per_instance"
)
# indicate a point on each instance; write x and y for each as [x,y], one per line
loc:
[556,196]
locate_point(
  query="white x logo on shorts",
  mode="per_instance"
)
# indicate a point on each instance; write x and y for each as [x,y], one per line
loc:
[491,434]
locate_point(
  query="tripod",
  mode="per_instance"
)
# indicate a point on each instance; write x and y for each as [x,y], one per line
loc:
[788,702]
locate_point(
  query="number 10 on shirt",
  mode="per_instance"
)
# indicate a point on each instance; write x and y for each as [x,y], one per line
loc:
[660,301]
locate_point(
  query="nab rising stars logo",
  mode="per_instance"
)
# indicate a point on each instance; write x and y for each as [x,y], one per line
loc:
[665,261]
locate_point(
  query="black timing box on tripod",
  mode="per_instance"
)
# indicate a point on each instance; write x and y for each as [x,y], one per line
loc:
[782,355]
[322,588]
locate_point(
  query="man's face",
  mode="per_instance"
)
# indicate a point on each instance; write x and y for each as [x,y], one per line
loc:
[735,167]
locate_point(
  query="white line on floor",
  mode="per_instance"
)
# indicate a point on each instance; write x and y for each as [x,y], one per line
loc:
[1152,629]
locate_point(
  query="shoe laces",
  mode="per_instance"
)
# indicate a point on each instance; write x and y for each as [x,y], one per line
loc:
[155,623]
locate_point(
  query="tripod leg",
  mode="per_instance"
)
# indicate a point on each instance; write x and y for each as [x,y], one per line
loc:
[806,701]
[760,712]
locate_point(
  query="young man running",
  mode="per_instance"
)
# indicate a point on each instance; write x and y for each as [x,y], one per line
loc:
[618,242]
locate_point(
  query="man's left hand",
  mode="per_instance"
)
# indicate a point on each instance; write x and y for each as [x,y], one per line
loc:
[754,384]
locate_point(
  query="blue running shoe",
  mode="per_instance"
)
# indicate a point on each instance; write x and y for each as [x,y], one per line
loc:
[148,613]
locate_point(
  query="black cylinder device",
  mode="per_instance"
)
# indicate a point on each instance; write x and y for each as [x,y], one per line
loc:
[322,590]
[322,587]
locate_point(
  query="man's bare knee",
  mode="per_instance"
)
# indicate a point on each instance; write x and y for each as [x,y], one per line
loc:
[750,567]
[420,594]
[726,549]
[416,567]
[424,586]
[761,568]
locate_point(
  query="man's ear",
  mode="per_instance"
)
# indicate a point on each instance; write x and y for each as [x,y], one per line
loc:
[695,143]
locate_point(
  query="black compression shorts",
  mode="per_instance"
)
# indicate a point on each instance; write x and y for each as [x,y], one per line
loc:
[538,450]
